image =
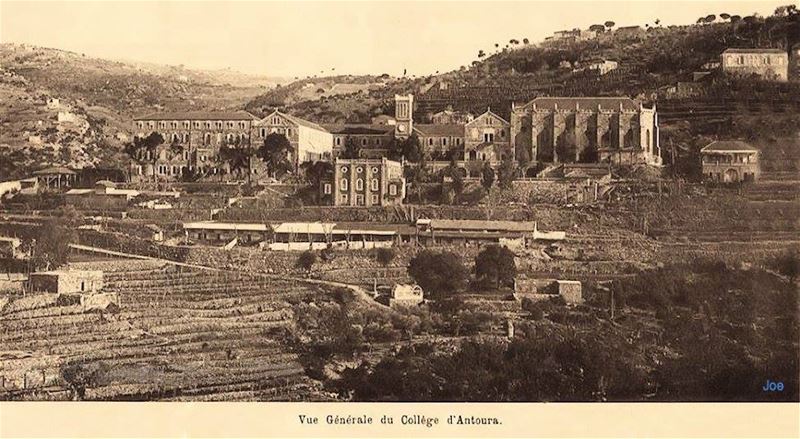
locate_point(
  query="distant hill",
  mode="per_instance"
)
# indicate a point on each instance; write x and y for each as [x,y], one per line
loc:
[98,99]
[649,58]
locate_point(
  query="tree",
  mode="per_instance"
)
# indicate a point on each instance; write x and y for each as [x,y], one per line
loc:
[275,153]
[787,264]
[51,247]
[487,177]
[438,273]
[384,256]
[599,28]
[306,260]
[525,41]
[316,173]
[725,16]
[237,159]
[609,24]
[495,265]
[352,150]
[710,18]
[140,146]
[456,179]
[506,173]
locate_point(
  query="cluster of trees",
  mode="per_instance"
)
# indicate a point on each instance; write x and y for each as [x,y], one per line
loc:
[726,332]
[275,152]
[442,274]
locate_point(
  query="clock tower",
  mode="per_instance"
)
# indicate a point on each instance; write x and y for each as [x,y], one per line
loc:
[403,114]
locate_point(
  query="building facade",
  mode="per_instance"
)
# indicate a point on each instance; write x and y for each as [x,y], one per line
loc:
[310,142]
[772,64]
[365,182]
[191,140]
[487,138]
[730,161]
[586,130]
[372,141]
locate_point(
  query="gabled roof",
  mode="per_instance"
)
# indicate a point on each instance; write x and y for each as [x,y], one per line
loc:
[359,129]
[295,120]
[754,50]
[608,103]
[728,146]
[489,113]
[199,115]
[452,130]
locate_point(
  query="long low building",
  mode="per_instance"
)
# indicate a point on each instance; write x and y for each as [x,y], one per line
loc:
[289,236]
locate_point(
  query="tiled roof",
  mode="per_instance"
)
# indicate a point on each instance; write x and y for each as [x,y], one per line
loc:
[607,103]
[199,115]
[728,146]
[359,128]
[754,50]
[440,130]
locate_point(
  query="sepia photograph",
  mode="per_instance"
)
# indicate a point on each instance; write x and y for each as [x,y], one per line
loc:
[400,201]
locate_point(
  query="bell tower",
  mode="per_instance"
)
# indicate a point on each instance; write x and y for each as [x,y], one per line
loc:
[404,115]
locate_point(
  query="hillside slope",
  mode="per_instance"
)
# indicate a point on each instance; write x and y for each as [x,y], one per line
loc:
[97,100]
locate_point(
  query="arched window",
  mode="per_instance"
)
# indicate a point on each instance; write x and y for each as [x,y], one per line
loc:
[359,184]
[207,139]
[343,184]
[374,184]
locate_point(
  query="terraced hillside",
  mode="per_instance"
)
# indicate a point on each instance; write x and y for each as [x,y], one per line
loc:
[179,335]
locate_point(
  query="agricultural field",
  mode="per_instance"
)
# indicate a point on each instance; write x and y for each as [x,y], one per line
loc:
[178,335]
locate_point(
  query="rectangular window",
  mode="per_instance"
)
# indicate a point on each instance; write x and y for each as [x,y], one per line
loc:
[488,137]
[363,142]
[392,189]
[444,141]
[345,199]
[327,189]
[374,199]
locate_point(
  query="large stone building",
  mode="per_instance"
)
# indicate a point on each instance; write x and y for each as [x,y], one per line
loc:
[488,138]
[372,140]
[365,182]
[590,130]
[770,64]
[310,142]
[191,140]
[730,161]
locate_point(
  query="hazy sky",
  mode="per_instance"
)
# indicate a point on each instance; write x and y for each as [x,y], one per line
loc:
[301,38]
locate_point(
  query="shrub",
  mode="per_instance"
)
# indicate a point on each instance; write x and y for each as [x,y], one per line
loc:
[306,260]
[438,273]
[495,266]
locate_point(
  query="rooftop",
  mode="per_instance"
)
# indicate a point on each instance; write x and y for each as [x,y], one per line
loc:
[472,225]
[213,225]
[728,146]
[297,121]
[754,50]
[52,170]
[359,129]
[452,130]
[608,103]
[199,115]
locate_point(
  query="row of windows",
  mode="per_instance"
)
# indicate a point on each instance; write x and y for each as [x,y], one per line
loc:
[359,169]
[344,184]
[196,124]
[285,131]
[443,141]
[766,60]
[359,199]
[338,141]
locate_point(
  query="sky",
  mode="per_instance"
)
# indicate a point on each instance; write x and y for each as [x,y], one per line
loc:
[301,38]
